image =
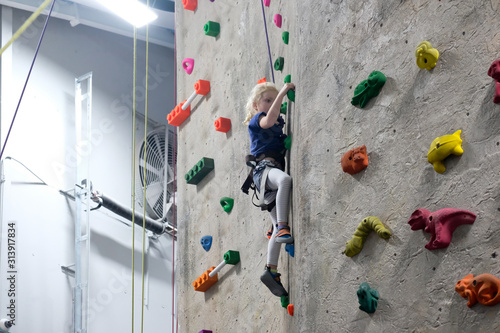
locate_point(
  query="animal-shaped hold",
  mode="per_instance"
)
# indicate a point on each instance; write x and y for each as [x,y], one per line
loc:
[484,288]
[355,160]
[368,298]
[188,65]
[494,72]
[356,243]
[442,147]
[441,224]
[206,242]
[368,89]
[427,56]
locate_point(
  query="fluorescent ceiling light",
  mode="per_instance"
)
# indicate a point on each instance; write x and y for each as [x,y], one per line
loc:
[131,11]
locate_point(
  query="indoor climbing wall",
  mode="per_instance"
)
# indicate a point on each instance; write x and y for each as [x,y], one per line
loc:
[400,221]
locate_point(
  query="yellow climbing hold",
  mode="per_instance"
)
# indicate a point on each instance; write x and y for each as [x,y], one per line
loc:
[427,56]
[442,147]
[356,243]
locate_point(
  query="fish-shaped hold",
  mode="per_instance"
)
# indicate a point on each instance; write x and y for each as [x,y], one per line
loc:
[442,147]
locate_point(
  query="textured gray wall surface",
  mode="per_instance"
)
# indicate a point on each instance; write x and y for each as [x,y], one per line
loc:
[334,45]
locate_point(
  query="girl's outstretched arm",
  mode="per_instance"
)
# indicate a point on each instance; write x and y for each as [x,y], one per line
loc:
[272,115]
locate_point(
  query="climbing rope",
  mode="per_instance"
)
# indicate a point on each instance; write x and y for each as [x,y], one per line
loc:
[25,25]
[267,38]
[133,174]
[27,78]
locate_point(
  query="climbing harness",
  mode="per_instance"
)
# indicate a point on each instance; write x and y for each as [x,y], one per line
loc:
[260,162]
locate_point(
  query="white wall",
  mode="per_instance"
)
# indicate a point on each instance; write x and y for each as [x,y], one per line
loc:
[43,139]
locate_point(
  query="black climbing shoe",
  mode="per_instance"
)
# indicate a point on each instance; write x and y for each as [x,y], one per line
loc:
[273,282]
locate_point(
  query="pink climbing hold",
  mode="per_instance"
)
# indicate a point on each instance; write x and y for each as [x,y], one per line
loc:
[267,3]
[188,65]
[440,224]
[277,20]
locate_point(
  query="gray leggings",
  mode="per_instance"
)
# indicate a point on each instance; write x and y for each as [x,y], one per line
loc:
[279,182]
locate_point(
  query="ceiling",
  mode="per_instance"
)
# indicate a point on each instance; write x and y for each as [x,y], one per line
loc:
[93,14]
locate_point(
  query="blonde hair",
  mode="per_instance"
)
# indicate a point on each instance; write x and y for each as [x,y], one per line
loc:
[255,96]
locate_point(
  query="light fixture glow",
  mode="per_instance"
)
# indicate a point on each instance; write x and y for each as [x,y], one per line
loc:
[131,11]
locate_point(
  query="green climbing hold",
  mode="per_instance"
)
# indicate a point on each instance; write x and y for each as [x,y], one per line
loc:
[285,36]
[227,204]
[278,64]
[199,171]
[285,301]
[232,257]
[368,89]
[291,95]
[284,107]
[288,142]
[288,78]
[211,28]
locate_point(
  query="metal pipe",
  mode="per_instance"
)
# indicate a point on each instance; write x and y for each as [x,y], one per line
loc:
[151,225]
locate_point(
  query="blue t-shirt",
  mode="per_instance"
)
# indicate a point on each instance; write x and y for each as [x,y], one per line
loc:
[265,140]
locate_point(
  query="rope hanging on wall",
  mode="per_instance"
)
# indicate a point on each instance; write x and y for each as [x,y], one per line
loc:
[27,78]
[267,38]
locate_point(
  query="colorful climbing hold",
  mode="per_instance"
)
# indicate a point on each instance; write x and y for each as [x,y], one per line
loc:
[285,301]
[288,142]
[232,257]
[368,89]
[291,95]
[277,20]
[427,56]
[199,171]
[285,36]
[290,249]
[227,204]
[263,80]
[288,78]
[267,3]
[442,147]
[177,116]
[278,64]
[190,4]
[494,73]
[212,28]
[223,124]
[206,242]
[356,243]
[290,309]
[284,107]
[484,288]
[440,224]
[188,65]
[355,160]
[368,298]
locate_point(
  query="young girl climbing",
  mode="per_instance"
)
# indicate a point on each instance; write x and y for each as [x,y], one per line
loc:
[265,126]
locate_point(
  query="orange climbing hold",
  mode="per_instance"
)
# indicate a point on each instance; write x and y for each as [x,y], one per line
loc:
[204,282]
[289,308]
[263,80]
[202,87]
[190,4]
[223,124]
[178,115]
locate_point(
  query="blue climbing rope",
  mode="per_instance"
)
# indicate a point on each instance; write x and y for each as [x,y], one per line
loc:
[267,37]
